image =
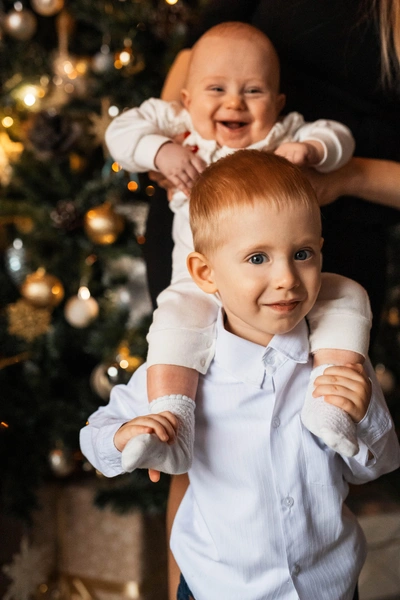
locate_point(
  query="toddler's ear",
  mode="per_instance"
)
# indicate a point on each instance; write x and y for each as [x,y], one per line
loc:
[201,272]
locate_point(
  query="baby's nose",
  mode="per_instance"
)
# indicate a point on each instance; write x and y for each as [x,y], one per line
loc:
[235,102]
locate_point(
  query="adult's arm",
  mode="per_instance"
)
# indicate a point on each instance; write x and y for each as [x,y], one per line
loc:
[374,180]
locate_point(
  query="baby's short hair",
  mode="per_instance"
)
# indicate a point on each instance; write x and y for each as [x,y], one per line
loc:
[241,179]
[237,30]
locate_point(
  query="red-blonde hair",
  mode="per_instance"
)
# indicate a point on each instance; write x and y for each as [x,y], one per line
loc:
[241,179]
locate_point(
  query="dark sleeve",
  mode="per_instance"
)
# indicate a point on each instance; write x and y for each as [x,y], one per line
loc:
[218,11]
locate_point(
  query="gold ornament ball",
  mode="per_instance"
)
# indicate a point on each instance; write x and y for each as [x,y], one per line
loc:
[20,24]
[103,225]
[80,312]
[42,290]
[47,8]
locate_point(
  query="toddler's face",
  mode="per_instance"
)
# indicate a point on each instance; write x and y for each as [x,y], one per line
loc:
[268,271]
[233,91]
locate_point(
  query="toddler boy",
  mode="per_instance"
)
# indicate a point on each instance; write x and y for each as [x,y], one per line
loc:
[264,514]
[231,101]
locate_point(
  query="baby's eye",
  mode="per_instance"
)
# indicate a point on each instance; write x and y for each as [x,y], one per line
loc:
[216,88]
[303,255]
[253,90]
[258,259]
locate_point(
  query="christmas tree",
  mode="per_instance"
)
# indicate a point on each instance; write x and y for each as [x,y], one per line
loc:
[74,303]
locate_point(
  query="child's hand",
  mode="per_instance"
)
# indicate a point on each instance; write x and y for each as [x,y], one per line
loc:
[302,154]
[164,425]
[178,164]
[347,387]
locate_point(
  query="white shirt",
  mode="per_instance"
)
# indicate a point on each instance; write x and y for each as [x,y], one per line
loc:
[263,517]
[134,137]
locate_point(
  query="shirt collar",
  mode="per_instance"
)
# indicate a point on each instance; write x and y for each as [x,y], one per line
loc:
[246,361]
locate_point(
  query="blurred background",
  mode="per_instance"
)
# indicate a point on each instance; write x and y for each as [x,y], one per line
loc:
[75,305]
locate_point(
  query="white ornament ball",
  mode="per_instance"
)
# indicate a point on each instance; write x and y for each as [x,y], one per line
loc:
[102,62]
[80,312]
[47,8]
[20,24]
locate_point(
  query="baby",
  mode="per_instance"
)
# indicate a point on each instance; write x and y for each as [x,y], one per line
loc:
[231,101]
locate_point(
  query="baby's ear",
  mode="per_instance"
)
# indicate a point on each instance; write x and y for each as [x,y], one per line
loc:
[185,98]
[201,272]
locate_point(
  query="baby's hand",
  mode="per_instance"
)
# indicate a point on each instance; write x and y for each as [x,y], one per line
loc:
[302,154]
[164,425]
[347,387]
[180,165]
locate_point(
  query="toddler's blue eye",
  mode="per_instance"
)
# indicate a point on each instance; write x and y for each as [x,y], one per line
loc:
[257,259]
[302,255]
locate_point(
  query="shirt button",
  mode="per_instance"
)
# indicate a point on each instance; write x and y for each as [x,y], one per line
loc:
[203,362]
[276,422]
[288,501]
[296,569]
[269,370]
[209,344]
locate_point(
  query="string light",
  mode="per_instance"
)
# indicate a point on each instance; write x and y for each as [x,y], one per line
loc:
[84,293]
[132,186]
[116,167]
[113,111]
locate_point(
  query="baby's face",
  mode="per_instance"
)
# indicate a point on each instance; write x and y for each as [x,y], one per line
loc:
[232,93]
[268,269]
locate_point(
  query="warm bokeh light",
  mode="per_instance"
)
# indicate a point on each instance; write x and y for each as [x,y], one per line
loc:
[132,186]
[7,122]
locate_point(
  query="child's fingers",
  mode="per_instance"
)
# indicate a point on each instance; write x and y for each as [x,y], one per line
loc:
[157,424]
[345,387]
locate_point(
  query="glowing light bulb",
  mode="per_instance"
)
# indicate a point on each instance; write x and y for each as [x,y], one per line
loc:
[29,99]
[84,293]
[113,111]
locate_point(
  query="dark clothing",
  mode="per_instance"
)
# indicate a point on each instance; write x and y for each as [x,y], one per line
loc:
[330,62]
[330,68]
[185,594]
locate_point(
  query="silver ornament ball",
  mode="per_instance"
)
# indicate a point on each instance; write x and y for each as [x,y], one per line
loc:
[47,8]
[20,24]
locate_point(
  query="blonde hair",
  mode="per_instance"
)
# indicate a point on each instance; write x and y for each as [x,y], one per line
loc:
[388,16]
[241,179]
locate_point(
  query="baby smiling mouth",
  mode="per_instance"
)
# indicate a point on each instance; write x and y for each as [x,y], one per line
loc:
[233,124]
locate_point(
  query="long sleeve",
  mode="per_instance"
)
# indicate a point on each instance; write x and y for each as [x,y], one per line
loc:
[377,437]
[134,137]
[336,139]
[97,437]
[341,317]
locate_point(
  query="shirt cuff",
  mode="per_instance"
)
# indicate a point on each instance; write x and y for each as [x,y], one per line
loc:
[106,449]
[147,149]
[374,424]
[324,146]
